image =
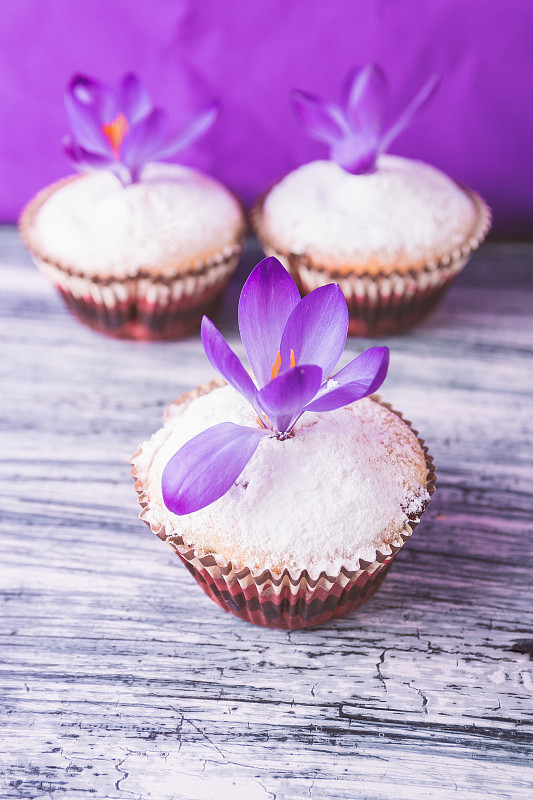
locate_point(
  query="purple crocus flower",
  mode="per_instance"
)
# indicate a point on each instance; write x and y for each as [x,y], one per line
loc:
[121,130]
[360,129]
[292,346]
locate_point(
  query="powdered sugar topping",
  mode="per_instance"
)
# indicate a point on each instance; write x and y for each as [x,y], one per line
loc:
[345,485]
[174,217]
[404,213]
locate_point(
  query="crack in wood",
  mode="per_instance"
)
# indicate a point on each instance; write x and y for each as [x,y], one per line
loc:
[524,646]
[378,668]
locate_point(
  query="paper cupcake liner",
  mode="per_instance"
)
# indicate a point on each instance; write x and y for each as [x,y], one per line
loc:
[280,600]
[151,304]
[383,304]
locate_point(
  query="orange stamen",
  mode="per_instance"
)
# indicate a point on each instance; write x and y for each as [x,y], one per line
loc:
[115,132]
[276,366]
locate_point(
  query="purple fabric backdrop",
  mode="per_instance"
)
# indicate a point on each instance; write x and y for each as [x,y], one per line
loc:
[478,128]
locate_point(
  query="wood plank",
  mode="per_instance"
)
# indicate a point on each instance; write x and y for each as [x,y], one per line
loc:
[119,678]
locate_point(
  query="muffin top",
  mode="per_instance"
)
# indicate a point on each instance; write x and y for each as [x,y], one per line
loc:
[345,485]
[402,216]
[176,218]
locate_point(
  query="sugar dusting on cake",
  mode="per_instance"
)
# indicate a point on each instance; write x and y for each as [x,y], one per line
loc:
[403,213]
[346,484]
[175,214]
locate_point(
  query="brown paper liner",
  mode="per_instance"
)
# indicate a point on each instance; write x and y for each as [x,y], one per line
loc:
[385,303]
[280,600]
[152,304]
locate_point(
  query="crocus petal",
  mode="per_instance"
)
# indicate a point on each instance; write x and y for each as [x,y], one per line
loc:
[284,398]
[370,366]
[133,98]
[224,360]
[316,330]
[267,299]
[85,159]
[416,105]
[205,468]
[322,121]
[192,131]
[366,100]
[361,377]
[89,105]
[143,140]
[356,154]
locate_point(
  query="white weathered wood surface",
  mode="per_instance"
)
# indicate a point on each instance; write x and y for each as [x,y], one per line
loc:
[120,679]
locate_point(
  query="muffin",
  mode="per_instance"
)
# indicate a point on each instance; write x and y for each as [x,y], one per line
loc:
[304,535]
[285,515]
[392,231]
[137,250]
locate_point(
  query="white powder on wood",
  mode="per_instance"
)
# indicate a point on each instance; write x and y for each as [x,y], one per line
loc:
[343,486]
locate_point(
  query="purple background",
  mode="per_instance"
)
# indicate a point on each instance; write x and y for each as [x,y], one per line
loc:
[479,127]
